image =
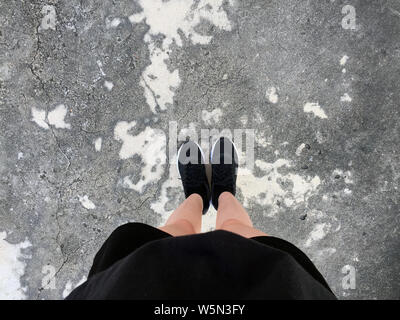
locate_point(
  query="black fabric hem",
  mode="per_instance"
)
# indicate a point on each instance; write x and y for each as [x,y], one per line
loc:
[131,236]
[300,257]
[122,242]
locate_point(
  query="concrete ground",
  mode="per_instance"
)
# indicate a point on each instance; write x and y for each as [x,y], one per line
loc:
[88,91]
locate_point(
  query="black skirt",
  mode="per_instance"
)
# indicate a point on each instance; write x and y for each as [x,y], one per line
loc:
[142,262]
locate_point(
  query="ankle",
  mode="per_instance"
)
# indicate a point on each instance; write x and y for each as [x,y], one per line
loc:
[195,197]
[224,196]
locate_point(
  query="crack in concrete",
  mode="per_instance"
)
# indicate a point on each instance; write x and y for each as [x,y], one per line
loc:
[152,92]
[31,67]
[92,132]
[142,203]
[58,144]
[59,187]
[65,260]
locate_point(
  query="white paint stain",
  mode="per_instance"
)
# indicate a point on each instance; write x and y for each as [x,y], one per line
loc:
[113,23]
[100,65]
[344,60]
[315,108]
[56,117]
[39,117]
[347,191]
[67,290]
[49,19]
[275,187]
[346,175]
[158,81]
[272,95]
[345,98]
[171,191]
[20,155]
[150,145]
[300,148]
[86,202]
[187,15]
[319,232]
[109,85]
[211,117]
[97,144]
[12,268]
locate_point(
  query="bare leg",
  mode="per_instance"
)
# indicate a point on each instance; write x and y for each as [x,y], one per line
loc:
[231,216]
[186,219]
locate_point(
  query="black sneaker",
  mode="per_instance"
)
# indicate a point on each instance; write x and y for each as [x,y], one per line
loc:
[224,166]
[193,172]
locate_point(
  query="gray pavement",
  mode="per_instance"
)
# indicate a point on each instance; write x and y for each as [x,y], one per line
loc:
[89,92]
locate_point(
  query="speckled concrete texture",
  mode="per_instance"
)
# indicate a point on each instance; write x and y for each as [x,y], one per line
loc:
[88,91]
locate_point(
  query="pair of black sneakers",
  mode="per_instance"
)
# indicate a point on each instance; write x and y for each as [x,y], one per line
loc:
[224,166]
